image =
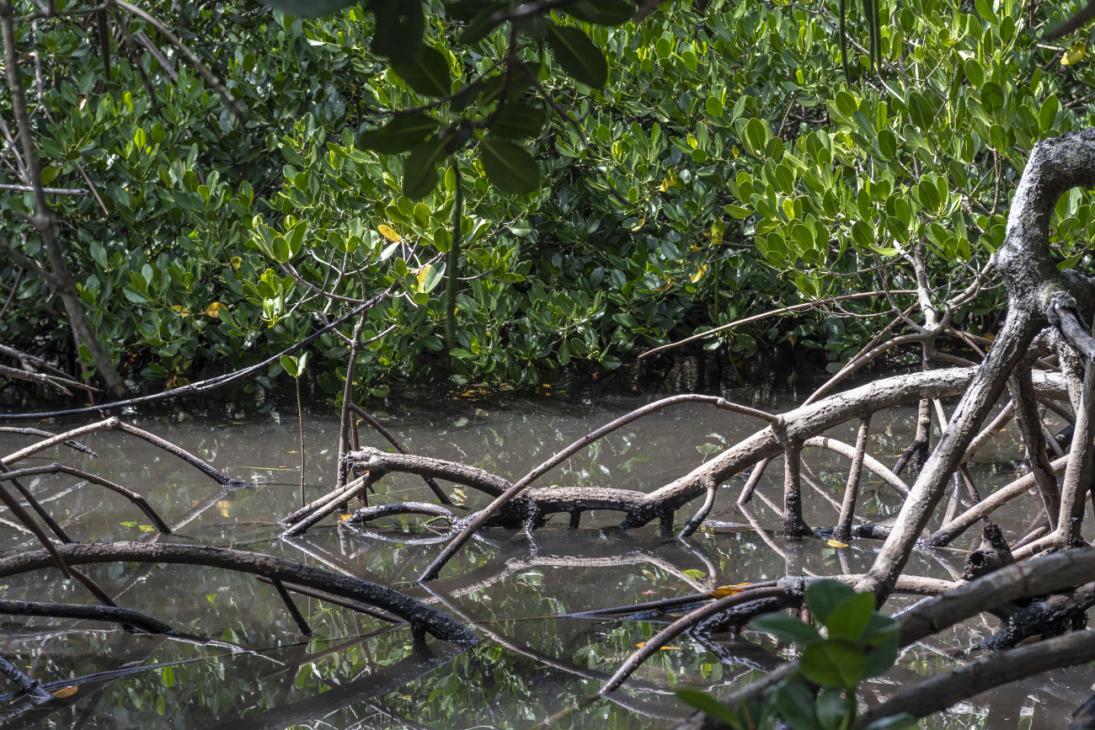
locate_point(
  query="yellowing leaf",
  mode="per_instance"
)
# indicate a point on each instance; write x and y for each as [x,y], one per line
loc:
[641,644]
[695,573]
[836,543]
[389,233]
[180,310]
[1074,55]
[224,506]
[64,692]
[718,230]
[700,273]
[730,590]
[214,310]
[235,262]
[423,276]
[344,517]
[670,181]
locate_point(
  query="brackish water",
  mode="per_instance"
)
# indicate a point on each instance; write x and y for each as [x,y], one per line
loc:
[534,664]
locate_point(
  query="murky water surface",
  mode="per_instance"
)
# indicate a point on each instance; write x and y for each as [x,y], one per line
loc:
[534,663]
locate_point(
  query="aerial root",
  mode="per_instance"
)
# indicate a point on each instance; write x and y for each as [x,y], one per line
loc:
[515,503]
[421,617]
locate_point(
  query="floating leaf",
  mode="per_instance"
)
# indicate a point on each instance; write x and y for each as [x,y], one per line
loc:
[833,543]
[64,692]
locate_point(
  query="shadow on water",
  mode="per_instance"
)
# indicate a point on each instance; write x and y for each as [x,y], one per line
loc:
[537,659]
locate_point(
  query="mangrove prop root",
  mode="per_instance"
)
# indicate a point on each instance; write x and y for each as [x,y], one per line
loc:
[413,611]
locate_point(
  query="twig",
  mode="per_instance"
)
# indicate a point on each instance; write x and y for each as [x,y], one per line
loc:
[766,315]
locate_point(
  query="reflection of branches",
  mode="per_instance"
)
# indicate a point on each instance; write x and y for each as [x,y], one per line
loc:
[638,706]
[386,679]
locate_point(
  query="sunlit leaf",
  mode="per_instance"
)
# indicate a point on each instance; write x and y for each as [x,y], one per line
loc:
[1074,54]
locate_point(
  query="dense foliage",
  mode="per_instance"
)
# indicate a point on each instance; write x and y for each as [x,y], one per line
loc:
[727,166]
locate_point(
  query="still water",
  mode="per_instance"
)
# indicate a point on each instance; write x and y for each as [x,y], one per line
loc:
[535,663]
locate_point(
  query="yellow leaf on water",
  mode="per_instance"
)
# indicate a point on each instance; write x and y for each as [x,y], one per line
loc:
[836,543]
[1074,55]
[214,310]
[64,692]
[730,590]
[389,233]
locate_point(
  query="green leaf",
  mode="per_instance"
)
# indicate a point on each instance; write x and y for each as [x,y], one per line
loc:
[883,640]
[427,73]
[481,23]
[833,663]
[518,121]
[850,618]
[309,8]
[756,136]
[578,55]
[833,709]
[822,596]
[399,28]
[895,722]
[294,365]
[400,134]
[50,173]
[795,704]
[601,12]
[420,169]
[708,705]
[1047,113]
[785,628]
[428,278]
[509,167]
